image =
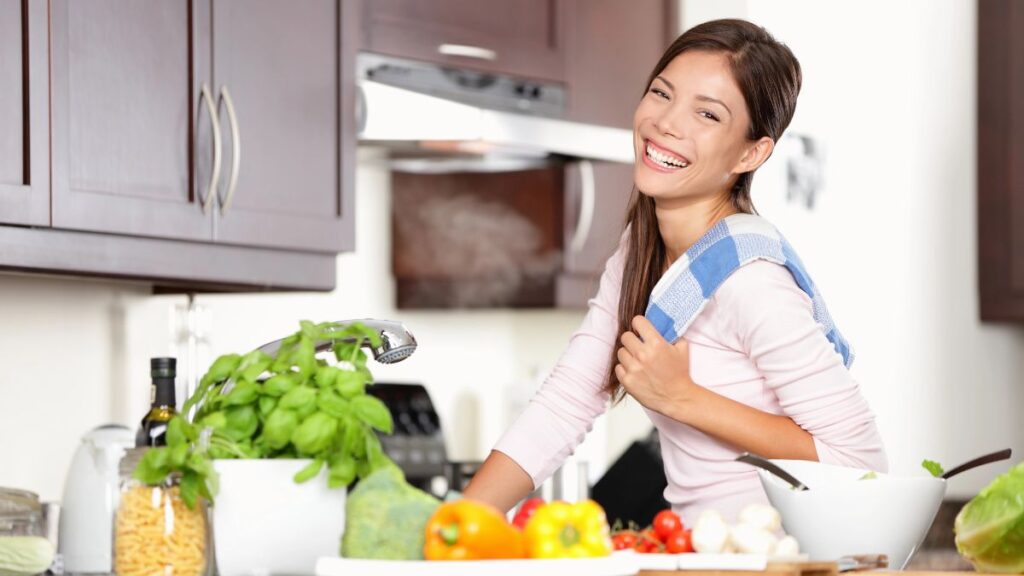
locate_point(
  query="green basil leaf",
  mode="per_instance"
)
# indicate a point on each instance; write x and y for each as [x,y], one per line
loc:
[280,385]
[242,422]
[153,467]
[374,451]
[305,357]
[373,412]
[333,405]
[222,368]
[189,488]
[279,427]
[299,398]
[243,393]
[267,405]
[349,383]
[315,433]
[179,454]
[216,420]
[176,432]
[309,472]
[325,376]
[252,366]
[353,442]
[341,473]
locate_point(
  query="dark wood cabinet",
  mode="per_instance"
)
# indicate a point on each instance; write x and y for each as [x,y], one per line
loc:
[525,38]
[221,121]
[285,94]
[1001,159]
[24,113]
[152,109]
[131,116]
[614,47]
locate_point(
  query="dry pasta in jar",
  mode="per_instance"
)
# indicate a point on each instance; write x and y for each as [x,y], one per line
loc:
[157,534]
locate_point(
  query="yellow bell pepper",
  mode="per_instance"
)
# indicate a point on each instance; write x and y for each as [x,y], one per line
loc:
[563,530]
[468,530]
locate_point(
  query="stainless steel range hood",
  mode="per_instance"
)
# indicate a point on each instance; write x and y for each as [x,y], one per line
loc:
[439,119]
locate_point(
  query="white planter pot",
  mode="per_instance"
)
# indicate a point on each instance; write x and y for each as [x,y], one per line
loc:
[265,523]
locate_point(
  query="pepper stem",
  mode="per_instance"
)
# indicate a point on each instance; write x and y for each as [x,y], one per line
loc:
[450,534]
[570,536]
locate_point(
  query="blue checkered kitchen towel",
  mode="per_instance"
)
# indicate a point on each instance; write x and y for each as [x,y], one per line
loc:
[734,241]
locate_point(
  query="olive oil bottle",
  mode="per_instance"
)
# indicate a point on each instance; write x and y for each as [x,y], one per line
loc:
[153,428]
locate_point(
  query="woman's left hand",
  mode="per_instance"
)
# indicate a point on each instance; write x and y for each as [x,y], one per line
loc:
[654,372]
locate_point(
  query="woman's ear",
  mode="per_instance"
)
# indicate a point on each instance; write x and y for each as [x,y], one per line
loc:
[756,154]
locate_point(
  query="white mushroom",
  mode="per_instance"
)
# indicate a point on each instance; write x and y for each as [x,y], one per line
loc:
[751,539]
[710,533]
[788,546]
[761,516]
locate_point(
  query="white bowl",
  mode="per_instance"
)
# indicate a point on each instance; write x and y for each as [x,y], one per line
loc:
[842,515]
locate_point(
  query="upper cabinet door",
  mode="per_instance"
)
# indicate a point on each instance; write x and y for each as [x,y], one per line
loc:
[517,37]
[24,113]
[285,89]
[133,141]
[606,78]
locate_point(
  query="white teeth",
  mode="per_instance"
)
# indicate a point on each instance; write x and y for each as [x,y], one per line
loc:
[664,159]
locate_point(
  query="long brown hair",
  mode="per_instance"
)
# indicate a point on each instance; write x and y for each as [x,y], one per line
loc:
[769,77]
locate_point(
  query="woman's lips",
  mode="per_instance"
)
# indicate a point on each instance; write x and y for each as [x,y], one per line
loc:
[662,160]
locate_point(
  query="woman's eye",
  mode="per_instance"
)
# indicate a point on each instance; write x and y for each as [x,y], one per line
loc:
[709,115]
[659,92]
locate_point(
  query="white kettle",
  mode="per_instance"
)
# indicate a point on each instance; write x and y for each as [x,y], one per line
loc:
[90,500]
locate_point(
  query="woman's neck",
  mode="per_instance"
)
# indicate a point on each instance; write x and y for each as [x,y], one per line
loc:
[681,225]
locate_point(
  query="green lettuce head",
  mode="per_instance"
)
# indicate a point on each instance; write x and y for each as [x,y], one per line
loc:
[990,528]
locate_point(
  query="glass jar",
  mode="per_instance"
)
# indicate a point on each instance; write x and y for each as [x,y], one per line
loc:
[155,532]
[21,513]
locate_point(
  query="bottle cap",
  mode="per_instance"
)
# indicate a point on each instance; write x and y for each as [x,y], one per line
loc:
[163,367]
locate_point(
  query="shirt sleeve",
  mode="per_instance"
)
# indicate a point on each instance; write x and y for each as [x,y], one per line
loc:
[774,321]
[563,410]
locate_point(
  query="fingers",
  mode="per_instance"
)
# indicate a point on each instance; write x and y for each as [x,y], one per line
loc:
[631,342]
[647,332]
[626,359]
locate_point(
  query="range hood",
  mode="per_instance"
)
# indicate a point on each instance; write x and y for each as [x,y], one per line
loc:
[440,119]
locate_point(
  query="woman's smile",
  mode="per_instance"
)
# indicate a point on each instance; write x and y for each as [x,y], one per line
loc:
[661,159]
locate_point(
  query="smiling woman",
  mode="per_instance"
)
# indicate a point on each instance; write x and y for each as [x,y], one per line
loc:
[704,315]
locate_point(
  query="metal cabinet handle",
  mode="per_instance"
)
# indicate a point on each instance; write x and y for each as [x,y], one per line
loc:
[215,173]
[587,197]
[236,151]
[467,51]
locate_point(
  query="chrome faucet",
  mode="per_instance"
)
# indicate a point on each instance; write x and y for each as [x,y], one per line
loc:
[396,342]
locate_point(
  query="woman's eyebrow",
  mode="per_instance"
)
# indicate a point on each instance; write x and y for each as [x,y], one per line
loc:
[704,98]
[667,83]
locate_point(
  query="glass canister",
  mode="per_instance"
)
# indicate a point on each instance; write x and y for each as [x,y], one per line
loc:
[23,546]
[155,532]
[21,513]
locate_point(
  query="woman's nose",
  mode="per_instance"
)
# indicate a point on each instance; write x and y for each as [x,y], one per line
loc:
[669,124]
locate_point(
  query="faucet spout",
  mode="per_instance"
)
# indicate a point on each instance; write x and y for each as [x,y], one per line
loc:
[396,342]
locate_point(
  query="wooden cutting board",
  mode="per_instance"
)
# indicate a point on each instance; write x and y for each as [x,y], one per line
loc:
[773,569]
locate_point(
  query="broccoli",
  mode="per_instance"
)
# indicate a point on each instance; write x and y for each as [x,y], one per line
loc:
[385,518]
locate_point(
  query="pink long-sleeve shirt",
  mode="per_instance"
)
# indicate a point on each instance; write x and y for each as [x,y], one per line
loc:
[756,342]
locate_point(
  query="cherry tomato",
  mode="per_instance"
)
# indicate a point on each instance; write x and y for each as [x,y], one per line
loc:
[624,540]
[666,523]
[679,542]
[648,542]
[526,511]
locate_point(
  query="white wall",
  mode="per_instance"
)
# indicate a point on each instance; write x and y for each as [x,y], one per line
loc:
[889,86]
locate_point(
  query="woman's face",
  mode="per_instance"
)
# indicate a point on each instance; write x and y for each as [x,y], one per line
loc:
[690,130]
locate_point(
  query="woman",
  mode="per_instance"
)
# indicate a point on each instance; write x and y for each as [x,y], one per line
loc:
[756,371]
